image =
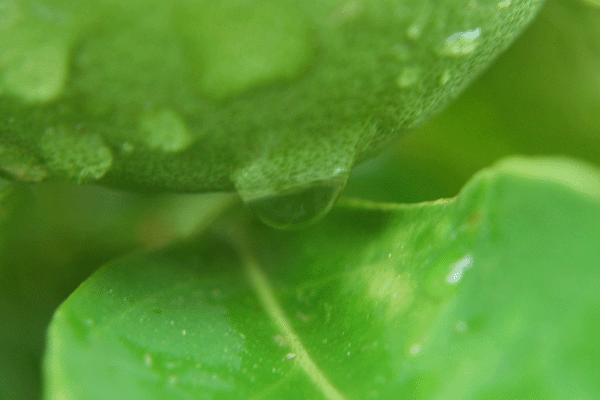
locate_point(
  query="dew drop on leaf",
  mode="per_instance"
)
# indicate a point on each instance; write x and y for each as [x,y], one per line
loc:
[297,208]
[293,197]
[458,269]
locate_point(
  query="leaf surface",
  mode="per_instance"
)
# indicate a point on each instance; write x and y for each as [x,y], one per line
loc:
[492,294]
[260,96]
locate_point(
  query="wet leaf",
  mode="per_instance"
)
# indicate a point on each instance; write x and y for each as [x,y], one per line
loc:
[264,97]
[493,294]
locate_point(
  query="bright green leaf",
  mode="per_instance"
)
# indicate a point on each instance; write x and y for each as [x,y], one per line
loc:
[493,294]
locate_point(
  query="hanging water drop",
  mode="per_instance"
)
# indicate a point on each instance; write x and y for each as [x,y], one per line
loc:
[297,208]
[292,191]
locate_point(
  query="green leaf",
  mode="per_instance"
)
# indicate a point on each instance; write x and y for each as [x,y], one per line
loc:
[547,107]
[261,96]
[7,204]
[493,294]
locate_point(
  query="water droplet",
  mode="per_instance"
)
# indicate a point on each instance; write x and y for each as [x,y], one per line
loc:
[461,43]
[290,356]
[127,148]
[408,77]
[292,185]
[165,130]
[504,4]
[303,317]
[298,208]
[148,359]
[415,349]
[458,269]
[415,30]
[80,156]
[40,72]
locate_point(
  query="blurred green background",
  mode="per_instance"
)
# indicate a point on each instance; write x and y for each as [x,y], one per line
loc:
[541,97]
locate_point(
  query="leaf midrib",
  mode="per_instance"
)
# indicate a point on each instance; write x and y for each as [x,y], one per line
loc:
[266,295]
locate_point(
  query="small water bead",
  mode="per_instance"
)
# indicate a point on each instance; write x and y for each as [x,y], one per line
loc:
[127,148]
[504,4]
[148,360]
[415,30]
[415,349]
[458,269]
[461,43]
[165,130]
[408,77]
[79,156]
[39,74]
[297,208]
